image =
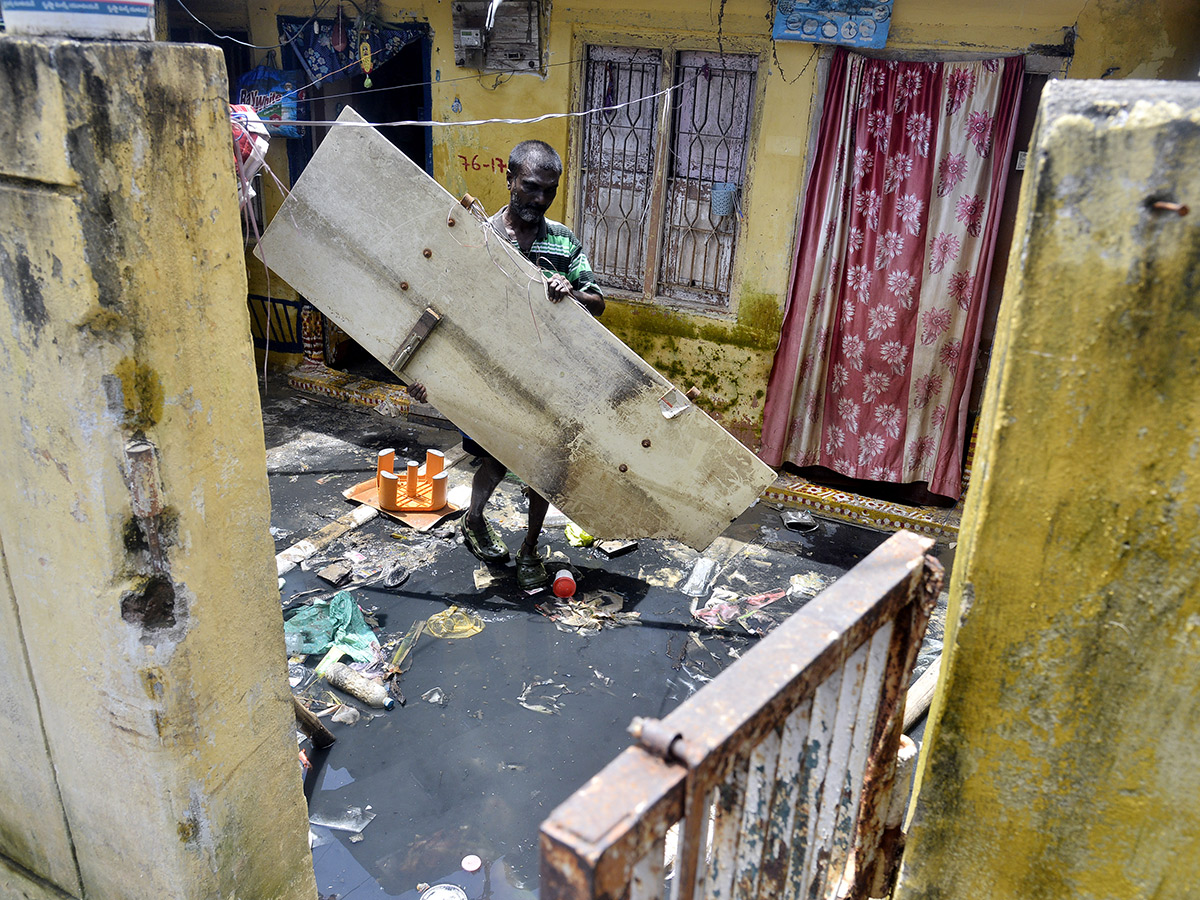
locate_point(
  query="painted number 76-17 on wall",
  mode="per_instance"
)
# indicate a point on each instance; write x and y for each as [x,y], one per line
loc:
[496,163]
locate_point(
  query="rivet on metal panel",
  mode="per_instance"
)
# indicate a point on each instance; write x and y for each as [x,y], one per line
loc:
[645,442]
[404,285]
[450,222]
[623,468]
[1169,206]
[427,253]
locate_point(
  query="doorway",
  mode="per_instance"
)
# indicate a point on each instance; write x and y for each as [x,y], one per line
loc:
[400,91]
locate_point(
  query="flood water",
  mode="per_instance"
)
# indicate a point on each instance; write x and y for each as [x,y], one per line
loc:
[520,714]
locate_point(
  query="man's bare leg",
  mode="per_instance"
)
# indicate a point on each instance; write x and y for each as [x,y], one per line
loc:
[537,515]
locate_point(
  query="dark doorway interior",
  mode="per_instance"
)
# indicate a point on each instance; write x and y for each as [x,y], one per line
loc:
[400,91]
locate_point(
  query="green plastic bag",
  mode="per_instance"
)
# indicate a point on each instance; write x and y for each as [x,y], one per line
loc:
[339,621]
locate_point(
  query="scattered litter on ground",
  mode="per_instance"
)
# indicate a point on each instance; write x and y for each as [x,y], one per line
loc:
[510,767]
[484,578]
[454,623]
[279,533]
[354,819]
[540,701]
[588,613]
[355,838]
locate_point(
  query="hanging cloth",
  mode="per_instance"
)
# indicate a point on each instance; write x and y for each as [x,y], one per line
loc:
[873,371]
[321,61]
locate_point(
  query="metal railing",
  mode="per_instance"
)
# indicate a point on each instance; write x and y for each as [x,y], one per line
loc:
[777,776]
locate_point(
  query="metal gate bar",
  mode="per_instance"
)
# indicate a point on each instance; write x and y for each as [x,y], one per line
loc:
[787,757]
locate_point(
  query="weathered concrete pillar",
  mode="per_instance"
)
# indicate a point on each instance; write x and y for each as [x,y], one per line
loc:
[1062,758]
[149,748]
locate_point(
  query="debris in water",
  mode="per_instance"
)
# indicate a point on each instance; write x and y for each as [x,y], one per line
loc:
[588,613]
[454,623]
[484,578]
[335,574]
[394,574]
[701,576]
[436,696]
[577,537]
[808,583]
[549,704]
[616,548]
[355,838]
[798,520]
[353,819]
[444,892]
[345,715]
[471,863]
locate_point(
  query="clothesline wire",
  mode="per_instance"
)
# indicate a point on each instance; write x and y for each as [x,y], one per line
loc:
[419,123]
[399,87]
[233,40]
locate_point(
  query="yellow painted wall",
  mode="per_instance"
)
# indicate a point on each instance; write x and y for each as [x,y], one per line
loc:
[143,682]
[727,354]
[1061,758]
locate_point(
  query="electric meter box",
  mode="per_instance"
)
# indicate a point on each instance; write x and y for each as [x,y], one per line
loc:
[510,42]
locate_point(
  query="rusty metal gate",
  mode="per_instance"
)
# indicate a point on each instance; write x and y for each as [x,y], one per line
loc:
[778,774]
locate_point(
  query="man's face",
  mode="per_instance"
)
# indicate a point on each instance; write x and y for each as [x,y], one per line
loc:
[531,192]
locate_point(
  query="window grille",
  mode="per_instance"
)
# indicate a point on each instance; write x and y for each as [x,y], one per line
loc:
[648,216]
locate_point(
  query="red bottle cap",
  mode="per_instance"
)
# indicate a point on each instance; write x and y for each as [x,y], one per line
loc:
[564,584]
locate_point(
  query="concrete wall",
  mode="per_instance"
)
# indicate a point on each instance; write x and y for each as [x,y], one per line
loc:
[729,354]
[1061,756]
[149,742]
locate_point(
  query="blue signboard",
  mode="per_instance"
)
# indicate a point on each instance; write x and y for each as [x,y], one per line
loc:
[846,22]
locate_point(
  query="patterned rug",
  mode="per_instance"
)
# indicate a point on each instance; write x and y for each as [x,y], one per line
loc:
[788,490]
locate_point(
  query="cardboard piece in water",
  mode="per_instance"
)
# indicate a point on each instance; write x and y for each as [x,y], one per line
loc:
[372,241]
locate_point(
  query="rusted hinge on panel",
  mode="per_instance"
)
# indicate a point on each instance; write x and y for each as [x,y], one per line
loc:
[656,739]
[429,320]
[932,577]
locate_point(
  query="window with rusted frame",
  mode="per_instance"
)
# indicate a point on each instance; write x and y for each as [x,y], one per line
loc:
[660,218]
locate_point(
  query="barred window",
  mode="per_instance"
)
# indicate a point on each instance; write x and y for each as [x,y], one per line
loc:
[660,218]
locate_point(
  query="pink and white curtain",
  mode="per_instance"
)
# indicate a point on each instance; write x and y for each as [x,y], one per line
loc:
[873,371]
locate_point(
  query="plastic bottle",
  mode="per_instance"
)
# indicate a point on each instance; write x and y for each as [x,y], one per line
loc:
[370,692]
[564,584]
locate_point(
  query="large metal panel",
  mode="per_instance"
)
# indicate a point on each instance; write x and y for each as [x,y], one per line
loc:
[372,241]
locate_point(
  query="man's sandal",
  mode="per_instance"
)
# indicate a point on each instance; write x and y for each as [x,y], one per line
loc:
[486,545]
[531,573]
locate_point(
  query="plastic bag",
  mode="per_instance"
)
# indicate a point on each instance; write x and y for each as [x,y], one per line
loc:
[275,95]
[250,143]
[316,628]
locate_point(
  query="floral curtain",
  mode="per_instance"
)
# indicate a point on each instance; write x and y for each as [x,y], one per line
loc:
[873,371]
